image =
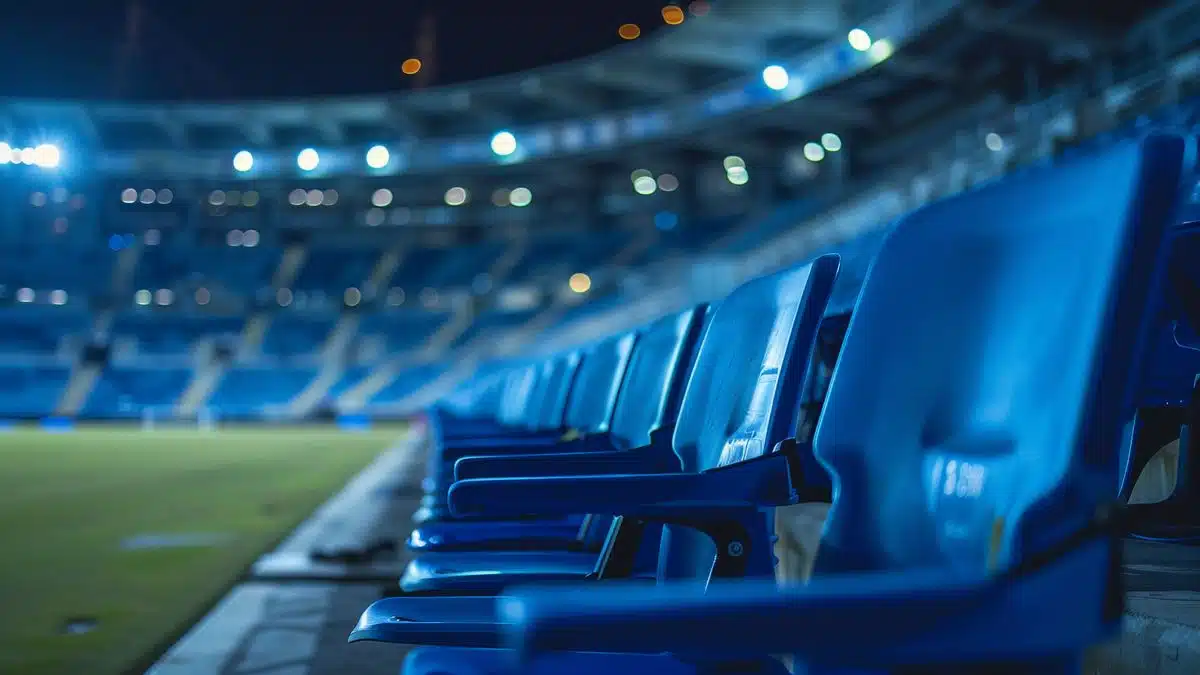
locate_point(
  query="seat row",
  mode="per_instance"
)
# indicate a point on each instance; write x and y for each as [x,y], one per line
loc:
[614,508]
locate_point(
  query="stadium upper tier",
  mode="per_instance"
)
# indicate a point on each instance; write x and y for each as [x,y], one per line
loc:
[251,298]
[688,77]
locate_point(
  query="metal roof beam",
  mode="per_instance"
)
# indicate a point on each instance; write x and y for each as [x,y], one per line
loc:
[1074,41]
[815,19]
[624,76]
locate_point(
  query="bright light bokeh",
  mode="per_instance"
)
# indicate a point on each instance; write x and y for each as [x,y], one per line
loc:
[243,161]
[47,156]
[381,198]
[520,197]
[580,282]
[504,144]
[859,39]
[456,196]
[831,142]
[775,77]
[378,157]
[308,159]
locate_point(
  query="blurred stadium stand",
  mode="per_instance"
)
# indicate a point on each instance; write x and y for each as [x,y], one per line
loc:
[269,260]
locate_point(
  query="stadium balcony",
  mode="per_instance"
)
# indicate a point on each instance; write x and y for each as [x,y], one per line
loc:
[241,268]
[395,333]
[294,336]
[31,391]
[490,323]
[466,265]
[405,384]
[125,392]
[552,254]
[334,270]
[40,331]
[155,333]
[256,391]
[45,267]
[421,264]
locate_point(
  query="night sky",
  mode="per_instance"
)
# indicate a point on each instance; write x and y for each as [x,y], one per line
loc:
[230,49]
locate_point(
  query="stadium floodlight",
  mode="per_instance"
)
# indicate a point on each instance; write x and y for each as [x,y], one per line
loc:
[831,142]
[47,156]
[456,196]
[243,161]
[504,144]
[645,185]
[378,157]
[580,283]
[859,39]
[775,77]
[520,197]
[308,159]
[381,198]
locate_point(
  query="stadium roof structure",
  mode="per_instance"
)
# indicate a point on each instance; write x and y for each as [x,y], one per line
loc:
[692,76]
[894,79]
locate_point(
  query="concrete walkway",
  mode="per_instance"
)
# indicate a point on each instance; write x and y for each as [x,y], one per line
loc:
[291,615]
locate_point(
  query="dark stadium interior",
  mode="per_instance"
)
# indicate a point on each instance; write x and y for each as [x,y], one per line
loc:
[454,326]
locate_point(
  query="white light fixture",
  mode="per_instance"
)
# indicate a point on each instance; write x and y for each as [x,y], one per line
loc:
[308,159]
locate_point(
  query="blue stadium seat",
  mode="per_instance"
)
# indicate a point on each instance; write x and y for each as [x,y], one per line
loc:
[594,390]
[245,391]
[296,335]
[39,330]
[123,392]
[734,437]
[243,269]
[334,270]
[169,333]
[973,429]
[1169,402]
[31,391]
[400,332]
[407,382]
[645,408]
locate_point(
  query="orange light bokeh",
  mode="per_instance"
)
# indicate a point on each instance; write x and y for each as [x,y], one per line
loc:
[411,66]
[672,15]
[629,31]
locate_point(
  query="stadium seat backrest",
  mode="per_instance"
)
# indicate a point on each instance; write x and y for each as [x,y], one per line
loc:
[480,397]
[522,395]
[747,367]
[594,391]
[744,391]
[654,379]
[1012,317]
[557,376]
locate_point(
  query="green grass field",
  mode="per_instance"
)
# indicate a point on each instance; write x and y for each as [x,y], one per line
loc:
[69,501]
